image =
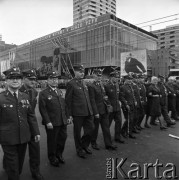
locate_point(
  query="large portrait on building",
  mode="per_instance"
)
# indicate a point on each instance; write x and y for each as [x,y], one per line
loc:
[134,61]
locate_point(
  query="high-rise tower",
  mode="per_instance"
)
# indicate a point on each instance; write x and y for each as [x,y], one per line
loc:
[85,9]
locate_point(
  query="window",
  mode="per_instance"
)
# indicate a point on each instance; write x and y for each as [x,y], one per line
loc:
[172,32]
[172,36]
[172,41]
[171,46]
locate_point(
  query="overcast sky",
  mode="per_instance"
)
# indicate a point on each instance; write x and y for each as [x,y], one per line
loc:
[24,20]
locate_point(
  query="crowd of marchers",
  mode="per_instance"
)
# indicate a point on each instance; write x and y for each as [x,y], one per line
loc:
[88,102]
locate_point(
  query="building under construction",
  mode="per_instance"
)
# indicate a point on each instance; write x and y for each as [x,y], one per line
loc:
[96,42]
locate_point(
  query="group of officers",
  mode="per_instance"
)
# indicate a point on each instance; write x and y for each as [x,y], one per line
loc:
[86,103]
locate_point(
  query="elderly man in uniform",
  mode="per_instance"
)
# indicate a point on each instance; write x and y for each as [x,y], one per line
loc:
[17,124]
[80,110]
[129,104]
[164,101]
[172,98]
[28,87]
[98,99]
[114,96]
[143,100]
[176,85]
[54,116]
[138,107]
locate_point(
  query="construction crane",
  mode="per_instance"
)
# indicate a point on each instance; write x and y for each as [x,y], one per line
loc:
[62,48]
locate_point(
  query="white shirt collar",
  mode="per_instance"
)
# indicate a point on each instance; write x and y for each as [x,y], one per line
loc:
[53,88]
[12,92]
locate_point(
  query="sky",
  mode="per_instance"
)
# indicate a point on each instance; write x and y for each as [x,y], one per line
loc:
[24,20]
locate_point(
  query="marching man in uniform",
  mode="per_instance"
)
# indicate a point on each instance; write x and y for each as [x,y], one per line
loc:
[29,82]
[54,116]
[17,124]
[80,110]
[114,96]
[98,99]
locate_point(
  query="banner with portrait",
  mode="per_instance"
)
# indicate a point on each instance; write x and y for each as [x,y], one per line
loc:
[134,61]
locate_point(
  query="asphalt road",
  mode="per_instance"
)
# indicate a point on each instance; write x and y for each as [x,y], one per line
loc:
[150,145]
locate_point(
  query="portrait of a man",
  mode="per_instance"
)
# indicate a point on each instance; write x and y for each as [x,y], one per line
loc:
[133,65]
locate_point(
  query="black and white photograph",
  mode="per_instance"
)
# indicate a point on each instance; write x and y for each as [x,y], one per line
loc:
[89,89]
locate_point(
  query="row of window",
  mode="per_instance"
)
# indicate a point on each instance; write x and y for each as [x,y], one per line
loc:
[173,41]
[171,32]
[171,46]
[163,38]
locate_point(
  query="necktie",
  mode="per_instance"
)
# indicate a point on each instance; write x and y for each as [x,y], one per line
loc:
[56,91]
[15,96]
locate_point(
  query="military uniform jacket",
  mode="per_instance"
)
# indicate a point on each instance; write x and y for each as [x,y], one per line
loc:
[32,95]
[97,98]
[128,94]
[52,107]
[114,95]
[17,120]
[77,98]
[142,91]
[176,87]
[171,89]
[137,94]
[164,93]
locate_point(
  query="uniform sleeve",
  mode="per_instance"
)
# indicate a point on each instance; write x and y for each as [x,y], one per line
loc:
[69,98]
[42,108]
[32,120]
[121,96]
[92,100]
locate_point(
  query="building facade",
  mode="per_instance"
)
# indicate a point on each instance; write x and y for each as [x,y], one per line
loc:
[86,9]
[96,42]
[168,38]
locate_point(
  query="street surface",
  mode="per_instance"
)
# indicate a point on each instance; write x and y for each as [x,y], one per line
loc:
[150,145]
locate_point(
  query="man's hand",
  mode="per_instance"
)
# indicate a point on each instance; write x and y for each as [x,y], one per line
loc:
[105,98]
[49,126]
[135,103]
[37,138]
[96,116]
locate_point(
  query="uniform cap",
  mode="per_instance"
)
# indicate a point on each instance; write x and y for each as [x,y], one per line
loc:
[13,72]
[52,74]
[160,76]
[78,68]
[98,72]
[115,74]
[30,73]
[127,77]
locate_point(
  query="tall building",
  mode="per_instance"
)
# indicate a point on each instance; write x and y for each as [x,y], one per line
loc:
[168,38]
[85,9]
[96,42]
